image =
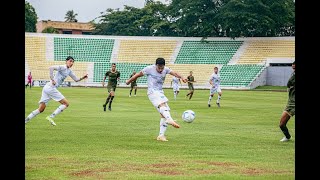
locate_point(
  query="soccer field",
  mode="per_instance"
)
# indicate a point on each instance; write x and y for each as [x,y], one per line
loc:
[240,140]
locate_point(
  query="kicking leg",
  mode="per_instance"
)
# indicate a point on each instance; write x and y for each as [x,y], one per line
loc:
[135,91]
[165,112]
[210,98]
[130,92]
[218,100]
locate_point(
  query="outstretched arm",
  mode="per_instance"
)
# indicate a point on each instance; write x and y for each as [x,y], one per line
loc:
[173,73]
[76,79]
[133,78]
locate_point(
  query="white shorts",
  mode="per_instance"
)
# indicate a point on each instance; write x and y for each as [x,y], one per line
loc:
[215,89]
[175,87]
[49,92]
[157,98]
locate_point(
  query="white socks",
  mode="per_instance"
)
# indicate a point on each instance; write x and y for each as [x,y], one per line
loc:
[58,110]
[163,126]
[32,115]
[165,112]
[218,100]
[210,97]
[175,95]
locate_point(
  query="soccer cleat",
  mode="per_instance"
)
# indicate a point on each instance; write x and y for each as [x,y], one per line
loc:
[173,123]
[51,120]
[129,95]
[161,138]
[218,104]
[104,107]
[209,105]
[109,108]
[284,139]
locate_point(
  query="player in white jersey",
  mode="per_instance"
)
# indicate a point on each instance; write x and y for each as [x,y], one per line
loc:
[50,90]
[175,86]
[156,75]
[215,86]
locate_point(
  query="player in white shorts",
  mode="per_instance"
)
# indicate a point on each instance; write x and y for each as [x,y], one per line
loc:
[215,86]
[175,86]
[50,90]
[156,75]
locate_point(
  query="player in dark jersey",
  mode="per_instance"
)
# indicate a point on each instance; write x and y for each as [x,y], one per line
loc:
[289,110]
[114,77]
[133,85]
[190,85]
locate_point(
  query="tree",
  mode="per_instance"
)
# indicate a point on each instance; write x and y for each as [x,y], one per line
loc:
[71,16]
[257,18]
[50,29]
[30,18]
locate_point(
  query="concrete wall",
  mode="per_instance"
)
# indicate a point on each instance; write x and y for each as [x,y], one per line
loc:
[278,75]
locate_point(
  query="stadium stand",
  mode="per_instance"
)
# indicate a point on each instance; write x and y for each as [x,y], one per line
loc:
[239,74]
[94,55]
[209,52]
[260,50]
[83,49]
[145,51]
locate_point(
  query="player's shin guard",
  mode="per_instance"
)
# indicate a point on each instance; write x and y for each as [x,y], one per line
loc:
[107,100]
[165,112]
[58,110]
[130,91]
[218,100]
[285,131]
[111,101]
[175,95]
[210,97]
[135,92]
[32,115]
[163,126]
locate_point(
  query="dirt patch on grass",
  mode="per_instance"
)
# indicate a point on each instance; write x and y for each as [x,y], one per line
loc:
[163,165]
[167,172]
[259,171]
[208,171]
[216,163]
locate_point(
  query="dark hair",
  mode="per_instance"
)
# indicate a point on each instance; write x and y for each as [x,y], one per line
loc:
[69,57]
[113,64]
[160,61]
[215,67]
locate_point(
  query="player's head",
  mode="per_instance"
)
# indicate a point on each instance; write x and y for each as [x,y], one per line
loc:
[294,65]
[30,72]
[160,63]
[215,69]
[69,61]
[134,72]
[191,73]
[113,66]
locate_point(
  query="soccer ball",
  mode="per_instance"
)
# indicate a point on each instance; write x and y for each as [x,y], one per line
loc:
[188,116]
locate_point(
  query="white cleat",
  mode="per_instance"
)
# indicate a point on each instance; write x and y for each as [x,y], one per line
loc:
[173,123]
[51,120]
[161,138]
[129,95]
[284,139]
[135,95]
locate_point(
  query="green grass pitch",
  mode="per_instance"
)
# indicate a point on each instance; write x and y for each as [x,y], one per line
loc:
[238,141]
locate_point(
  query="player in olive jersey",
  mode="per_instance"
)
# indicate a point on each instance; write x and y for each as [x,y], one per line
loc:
[133,85]
[289,110]
[190,85]
[114,77]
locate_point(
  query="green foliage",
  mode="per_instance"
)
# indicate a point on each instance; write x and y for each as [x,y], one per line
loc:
[30,18]
[202,18]
[71,16]
[50,30]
